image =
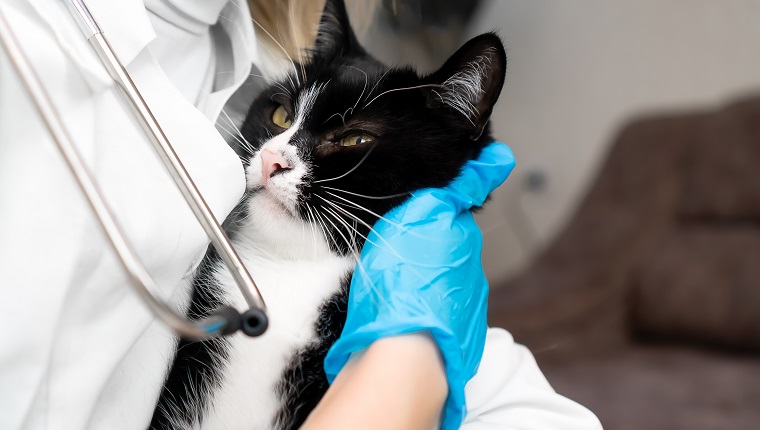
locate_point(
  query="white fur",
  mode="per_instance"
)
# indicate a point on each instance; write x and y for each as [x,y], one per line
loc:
[463,90]
[296,273]
[283,189]
[294,291]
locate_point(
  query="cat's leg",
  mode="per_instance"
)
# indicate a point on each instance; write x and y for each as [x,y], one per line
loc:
[304,381]
[198,367]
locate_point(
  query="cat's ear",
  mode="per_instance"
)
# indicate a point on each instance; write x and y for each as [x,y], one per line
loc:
[335,36]
[471,80]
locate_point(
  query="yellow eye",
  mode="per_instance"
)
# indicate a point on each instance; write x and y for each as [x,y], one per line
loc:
[281,117]
[355,139]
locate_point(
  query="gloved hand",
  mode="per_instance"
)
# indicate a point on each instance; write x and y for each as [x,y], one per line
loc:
[421,269]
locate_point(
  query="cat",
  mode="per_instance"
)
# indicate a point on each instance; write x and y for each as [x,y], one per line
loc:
[327,150]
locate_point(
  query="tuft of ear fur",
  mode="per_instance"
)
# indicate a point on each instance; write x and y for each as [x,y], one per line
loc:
[471,80]
[335,36]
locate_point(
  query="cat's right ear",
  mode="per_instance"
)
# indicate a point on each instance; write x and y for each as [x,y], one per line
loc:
[335,36]
[470,81]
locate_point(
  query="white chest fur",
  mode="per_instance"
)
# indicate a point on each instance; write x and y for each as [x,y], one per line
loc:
[294,287]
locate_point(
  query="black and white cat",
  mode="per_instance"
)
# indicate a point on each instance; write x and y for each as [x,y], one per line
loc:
[336,144]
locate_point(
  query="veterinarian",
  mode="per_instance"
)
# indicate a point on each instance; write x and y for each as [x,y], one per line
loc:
[79,349]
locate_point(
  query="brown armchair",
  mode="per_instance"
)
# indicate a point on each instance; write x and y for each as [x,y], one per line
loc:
[646,308]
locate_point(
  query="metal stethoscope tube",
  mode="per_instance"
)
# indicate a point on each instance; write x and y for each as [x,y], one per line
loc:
[223,321]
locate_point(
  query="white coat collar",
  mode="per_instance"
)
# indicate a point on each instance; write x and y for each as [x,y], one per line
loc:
[193,16]
[128,28]
[125,24]
[237,24]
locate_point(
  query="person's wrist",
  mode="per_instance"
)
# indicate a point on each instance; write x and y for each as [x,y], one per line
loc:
[398,382]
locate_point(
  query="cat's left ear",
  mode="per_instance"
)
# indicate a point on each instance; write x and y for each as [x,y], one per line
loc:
[335,37]
[471,80]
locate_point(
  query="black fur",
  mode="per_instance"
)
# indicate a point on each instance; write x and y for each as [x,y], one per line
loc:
[420,140]
[304,382]
[202,361]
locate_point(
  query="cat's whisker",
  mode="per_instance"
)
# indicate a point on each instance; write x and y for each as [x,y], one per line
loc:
[306,222]
[287,75]
[388,247]
[358,100]
[379,81]
[232,123]
[263,45]
[369,281]
[244,160]
[352,231]
[297,42]
[284,94]
[401,89]
[372,229]
[356,231]
[237,27]
[337,229]
[279,45]
[285,91]
[341,115]
[265,31]
[303,229]
[313,226]
[316,231]
[344,205]
[358,206]
[366,82]
[349,172]
[226,120]
[269,80]
[266,131]
[319,216]
[357,258]
[439,96]
[300,59]
[320,224]
[244,145]
[367,197]
[351,245]
[327,230]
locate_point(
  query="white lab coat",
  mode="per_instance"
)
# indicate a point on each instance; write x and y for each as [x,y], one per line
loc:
[79,349]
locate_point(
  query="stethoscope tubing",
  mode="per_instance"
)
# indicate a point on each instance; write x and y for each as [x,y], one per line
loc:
[224,320]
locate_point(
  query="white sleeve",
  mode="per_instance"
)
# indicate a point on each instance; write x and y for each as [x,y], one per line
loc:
[510,392]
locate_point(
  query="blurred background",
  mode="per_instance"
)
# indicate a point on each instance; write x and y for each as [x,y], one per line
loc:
[625,247]
[578,71]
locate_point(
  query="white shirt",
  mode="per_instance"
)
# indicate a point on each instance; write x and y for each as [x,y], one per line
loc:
[79,349]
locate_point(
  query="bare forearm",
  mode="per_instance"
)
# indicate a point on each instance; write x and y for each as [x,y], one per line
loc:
[399,383]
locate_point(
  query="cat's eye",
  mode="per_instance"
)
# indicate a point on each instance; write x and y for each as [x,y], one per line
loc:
[281,117]
[355,139]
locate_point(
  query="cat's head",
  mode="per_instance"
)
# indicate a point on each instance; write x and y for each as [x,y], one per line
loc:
[343,138]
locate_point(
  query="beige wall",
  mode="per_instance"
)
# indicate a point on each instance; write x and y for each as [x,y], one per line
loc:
[578,70]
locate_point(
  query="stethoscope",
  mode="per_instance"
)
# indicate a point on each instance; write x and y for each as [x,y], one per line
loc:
[225,320]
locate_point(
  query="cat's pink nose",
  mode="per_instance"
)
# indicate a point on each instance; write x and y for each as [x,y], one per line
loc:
[271,163]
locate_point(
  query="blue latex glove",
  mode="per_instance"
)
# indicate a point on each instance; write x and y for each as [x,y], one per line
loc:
[420,269]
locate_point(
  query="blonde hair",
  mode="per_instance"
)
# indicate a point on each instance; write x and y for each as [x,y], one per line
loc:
[293,24]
